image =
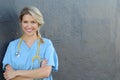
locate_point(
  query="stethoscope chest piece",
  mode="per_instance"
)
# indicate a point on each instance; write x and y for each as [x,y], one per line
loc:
[17,54]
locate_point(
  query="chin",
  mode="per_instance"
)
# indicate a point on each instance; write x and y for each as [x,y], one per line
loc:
[29,34]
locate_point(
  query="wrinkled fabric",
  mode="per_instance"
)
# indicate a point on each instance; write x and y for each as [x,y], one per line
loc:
[24,61]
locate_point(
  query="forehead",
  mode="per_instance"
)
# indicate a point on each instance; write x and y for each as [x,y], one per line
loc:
[28,17]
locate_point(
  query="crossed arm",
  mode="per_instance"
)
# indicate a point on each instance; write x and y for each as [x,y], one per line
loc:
[43,72]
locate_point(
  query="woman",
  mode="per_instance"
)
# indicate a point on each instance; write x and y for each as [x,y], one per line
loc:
[30,57]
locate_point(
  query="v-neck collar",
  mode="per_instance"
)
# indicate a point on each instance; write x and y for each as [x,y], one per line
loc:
[32,46]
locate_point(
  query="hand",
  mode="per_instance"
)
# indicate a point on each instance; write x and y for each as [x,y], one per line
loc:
[8,68]
[9,73]
[44,63]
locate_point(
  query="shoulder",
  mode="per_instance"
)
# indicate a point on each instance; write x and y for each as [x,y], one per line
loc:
[47,41]
[14,42]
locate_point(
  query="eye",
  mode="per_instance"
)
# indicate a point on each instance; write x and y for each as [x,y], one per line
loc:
[25,21]
[33,22]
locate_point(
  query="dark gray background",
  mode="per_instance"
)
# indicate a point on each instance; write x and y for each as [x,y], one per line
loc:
[85,33]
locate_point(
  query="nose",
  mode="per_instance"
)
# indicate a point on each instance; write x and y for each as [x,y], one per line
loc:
[29,25]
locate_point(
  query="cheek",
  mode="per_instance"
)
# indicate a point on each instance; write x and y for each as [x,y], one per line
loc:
[23,27]
[23,24]
[36,27]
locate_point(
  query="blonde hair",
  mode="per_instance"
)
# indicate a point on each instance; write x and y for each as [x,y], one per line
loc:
[36,14]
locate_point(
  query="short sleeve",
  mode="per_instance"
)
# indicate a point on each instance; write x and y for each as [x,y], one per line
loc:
[51,56]
[6,59]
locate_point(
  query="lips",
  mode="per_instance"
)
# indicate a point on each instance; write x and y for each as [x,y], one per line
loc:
[29,31]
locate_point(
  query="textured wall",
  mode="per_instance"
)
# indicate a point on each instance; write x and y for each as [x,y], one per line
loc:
[85,33]
[8,27]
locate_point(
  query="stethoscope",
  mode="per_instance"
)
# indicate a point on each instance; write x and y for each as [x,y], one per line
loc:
[17,54]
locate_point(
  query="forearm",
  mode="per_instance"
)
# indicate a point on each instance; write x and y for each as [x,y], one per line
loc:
[21,78]
[36,73]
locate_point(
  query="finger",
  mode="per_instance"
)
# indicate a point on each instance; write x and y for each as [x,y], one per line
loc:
[9,67]
[5,76]
[45,60]
[4,73]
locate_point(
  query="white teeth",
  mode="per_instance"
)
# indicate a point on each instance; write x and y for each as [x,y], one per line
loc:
[29,30]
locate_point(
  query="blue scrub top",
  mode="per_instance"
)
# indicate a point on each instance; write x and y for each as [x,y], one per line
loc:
[24,61]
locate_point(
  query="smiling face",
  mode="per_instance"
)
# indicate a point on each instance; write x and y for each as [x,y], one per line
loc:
[29,25]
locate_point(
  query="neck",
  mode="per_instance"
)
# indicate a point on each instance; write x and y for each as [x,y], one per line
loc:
[29,38]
